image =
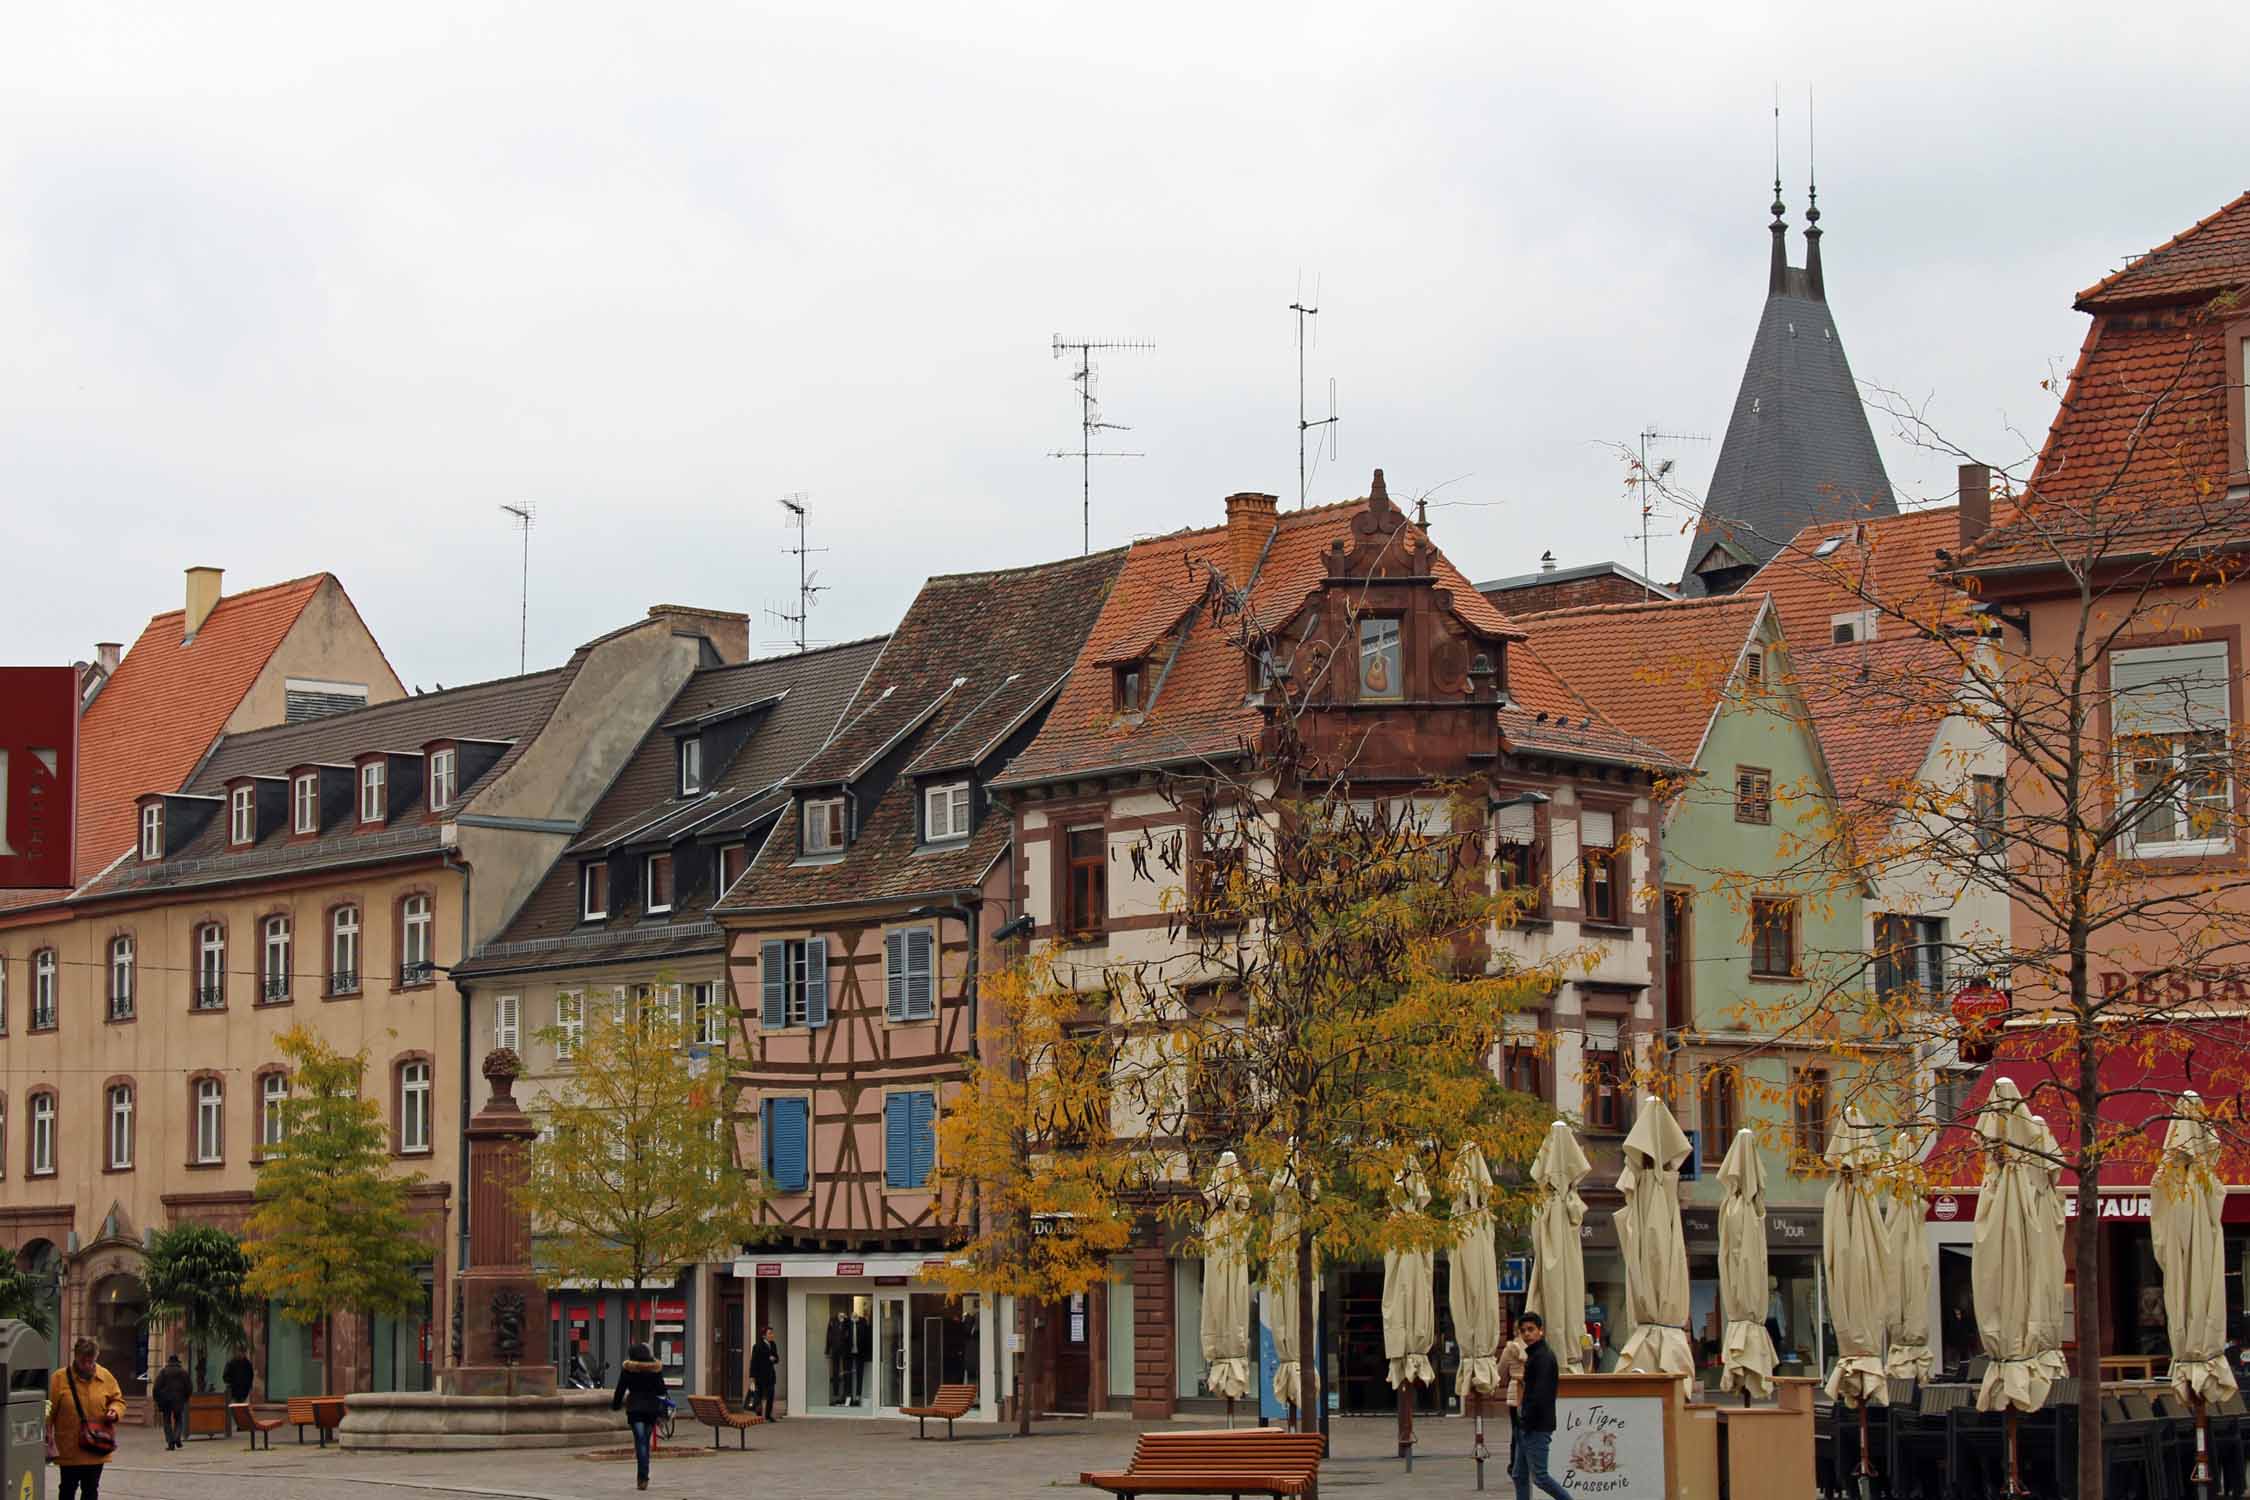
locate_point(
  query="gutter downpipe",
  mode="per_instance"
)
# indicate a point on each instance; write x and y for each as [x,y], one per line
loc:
[461,1215]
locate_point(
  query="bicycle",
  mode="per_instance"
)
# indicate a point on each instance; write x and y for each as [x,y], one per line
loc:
[664,1423]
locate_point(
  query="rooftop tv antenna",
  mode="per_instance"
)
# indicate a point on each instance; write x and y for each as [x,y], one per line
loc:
[523,515]
[1305,310]
[1090,422]
[806,588]
[1645,479]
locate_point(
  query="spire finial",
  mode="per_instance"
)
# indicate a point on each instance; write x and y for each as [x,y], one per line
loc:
[1812,209]
[1777,273]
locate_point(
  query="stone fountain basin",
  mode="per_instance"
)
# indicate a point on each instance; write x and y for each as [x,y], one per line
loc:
[428,1421]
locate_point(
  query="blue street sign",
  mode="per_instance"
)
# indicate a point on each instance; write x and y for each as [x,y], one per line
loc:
[1515,1276]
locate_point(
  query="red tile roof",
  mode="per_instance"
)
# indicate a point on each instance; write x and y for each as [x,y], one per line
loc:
[1877,706]
[159,713]
[2208,257]
[1890,559]
[1656,670]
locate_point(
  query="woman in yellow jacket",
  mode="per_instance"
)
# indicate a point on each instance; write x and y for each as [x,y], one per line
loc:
[82,1394]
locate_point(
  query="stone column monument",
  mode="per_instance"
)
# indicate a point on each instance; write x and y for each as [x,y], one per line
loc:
[498,1391]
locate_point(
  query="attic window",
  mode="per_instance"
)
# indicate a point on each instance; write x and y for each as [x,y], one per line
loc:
[658,884]
[152,831]
[593,885]
[371,805]
[1130,686]
[691,765]
[823,825]
[1843,632]
[1754,667]
[1828,547]
[443,780]
[945,811]
[242,815]
[306,792]
[1380,661]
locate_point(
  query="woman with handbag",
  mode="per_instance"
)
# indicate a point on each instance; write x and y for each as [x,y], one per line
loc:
[84,1407]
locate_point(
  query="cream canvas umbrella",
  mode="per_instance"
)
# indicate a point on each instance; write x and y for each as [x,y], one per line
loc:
[1558,1273]
[1746,1354]
[1226,1281]
[1910,1356]
[1474,1291]
[2185,1204]
[1855,1241]
[1409,1291]
[2016,1260]
[1648,1232]
[1281,1293]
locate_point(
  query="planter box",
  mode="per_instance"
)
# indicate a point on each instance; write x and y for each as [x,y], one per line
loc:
[207,1415]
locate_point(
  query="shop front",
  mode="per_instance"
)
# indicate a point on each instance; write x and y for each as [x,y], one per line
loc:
[864,1337]
[590,1331]
[1796,1312]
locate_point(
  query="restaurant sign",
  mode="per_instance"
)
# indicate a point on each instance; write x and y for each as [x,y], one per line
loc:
[1612,1446]
[1979,1010]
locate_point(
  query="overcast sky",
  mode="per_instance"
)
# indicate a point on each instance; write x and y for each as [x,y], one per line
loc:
[286,288]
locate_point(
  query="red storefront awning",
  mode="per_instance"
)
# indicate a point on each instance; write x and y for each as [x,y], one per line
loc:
[2141,1071]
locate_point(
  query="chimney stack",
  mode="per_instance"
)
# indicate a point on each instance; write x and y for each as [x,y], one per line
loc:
[727,631]
[1546,562]
[1976,501]
[106,655]
[202,598]
[1250,520]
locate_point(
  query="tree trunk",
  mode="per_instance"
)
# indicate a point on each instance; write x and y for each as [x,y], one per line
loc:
[1027,1309]
[2087,1254]
[328,1352]
[1308,1332]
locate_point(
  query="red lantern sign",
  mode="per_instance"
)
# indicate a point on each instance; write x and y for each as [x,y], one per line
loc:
[1979,1010]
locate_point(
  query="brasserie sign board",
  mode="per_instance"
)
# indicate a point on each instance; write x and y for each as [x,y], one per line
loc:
[1609,1446]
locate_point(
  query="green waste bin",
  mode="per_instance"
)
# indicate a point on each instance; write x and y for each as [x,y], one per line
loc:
[25,1363]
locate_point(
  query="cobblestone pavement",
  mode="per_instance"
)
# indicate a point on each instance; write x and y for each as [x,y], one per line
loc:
[802,1456]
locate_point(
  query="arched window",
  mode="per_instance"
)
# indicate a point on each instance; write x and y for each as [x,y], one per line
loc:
[120,1097]
[273,1093]
[210,1120]
[343,951]
[43,979]
[41,1156]
[275,957]
[415,962]
[210,966]
[121,977]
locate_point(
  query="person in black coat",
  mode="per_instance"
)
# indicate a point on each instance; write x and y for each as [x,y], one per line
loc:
[643,1395]
[170,1391]
[765,1373]
[1535,1418]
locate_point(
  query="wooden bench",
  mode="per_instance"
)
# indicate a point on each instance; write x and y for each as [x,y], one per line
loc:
[952,1402]
[1253,1461]
[246,1416]
[712,1413]
[324,1414]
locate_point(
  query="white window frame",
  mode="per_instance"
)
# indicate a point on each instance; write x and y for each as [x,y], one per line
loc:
[152,831]
[242,815]
[444,782]
[570,1023]
[42,1135]
[817,817]
[273,1092]
[343,943]
[587,911]
[648,883]
[305,798]
[710,1021]
[275,942]
[417,925]
[210,1121]
[414,1109]
[1373,643]
[507,1021]
[121,976]
[210,966]
[44,981]
[691,765]
[372,777]
[945,811]
[119,1147]
[2177,720]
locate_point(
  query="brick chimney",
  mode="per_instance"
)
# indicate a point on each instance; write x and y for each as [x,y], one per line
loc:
[1250,520]
[1976,501]
[202,598]
[728,632]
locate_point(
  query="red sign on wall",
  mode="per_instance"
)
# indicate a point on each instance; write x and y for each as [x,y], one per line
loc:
[38,775]
[1979,1010]
[851,1268]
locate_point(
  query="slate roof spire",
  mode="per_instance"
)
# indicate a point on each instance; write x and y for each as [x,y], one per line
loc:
[1798,450]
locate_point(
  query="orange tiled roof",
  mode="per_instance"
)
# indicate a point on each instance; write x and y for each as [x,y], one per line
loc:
[1877,706]
[2210,256]
[1656,670]
[1892,559]
[161,710]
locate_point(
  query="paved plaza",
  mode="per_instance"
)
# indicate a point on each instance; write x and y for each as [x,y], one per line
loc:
[801,1456]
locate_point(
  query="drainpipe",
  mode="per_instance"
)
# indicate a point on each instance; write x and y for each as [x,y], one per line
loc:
[453,861]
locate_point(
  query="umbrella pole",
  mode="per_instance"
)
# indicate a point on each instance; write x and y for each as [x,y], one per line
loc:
[1866,1467]
[2015,1475]
[1292,1416]
[1406,1423]
[1479,1452]
[1230,1413]
[2202,1448]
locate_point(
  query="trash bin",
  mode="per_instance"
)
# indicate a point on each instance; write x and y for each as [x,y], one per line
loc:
[25,1363]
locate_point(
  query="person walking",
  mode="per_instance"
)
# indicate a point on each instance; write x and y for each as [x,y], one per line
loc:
[170,1391]
[765,1373]
[642,1393]
[239,1376]
[1535,1424]
[1512,1356]
[84,1407]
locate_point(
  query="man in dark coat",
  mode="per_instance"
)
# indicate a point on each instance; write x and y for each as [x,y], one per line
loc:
[765,1373]
[170,1391]
[1535,1418]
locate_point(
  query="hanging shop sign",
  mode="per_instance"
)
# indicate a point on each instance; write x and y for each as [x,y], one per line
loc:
[1979,1010]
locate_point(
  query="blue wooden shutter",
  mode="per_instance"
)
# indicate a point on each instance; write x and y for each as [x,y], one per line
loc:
[773,973]
[920,985]
[898,1141]
[924,1133]
[785,1144]
[816,981]
[894,975]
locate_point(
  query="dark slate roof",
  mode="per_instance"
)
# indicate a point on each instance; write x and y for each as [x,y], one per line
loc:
[795,702]
[511,710]
[1798,448]
[977,658]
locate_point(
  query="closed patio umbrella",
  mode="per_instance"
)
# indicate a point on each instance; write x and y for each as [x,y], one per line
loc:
[1655,1251]
[2186,1201]
[1226,1281]
[1409,1291]
[1558,1272]
[2016,1260]
[1281,1293]
[1855,1244]
[1746,1354]
[1474,1291]
[1910,1356]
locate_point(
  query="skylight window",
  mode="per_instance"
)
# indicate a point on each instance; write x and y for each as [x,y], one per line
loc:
[1828,547]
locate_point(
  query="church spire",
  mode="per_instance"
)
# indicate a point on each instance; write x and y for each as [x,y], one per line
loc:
[1777,275]
[1813,284]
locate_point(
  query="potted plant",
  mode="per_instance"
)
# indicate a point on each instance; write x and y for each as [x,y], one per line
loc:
[194,1277]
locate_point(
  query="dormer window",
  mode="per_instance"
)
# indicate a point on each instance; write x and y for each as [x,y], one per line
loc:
[691,765]
[1381,667]
[304,795]
[443,779]
[371,803]
[945,811]
[1130,688]
[242,815]
[152,831]
[656,885]
[593,887]
[824,825]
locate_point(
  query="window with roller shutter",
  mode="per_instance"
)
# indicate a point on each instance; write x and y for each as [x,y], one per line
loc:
[1519,859]
[909,983]
[909,1139]
[783,1144]
[2171,711]
[1597,861]
[793,980]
